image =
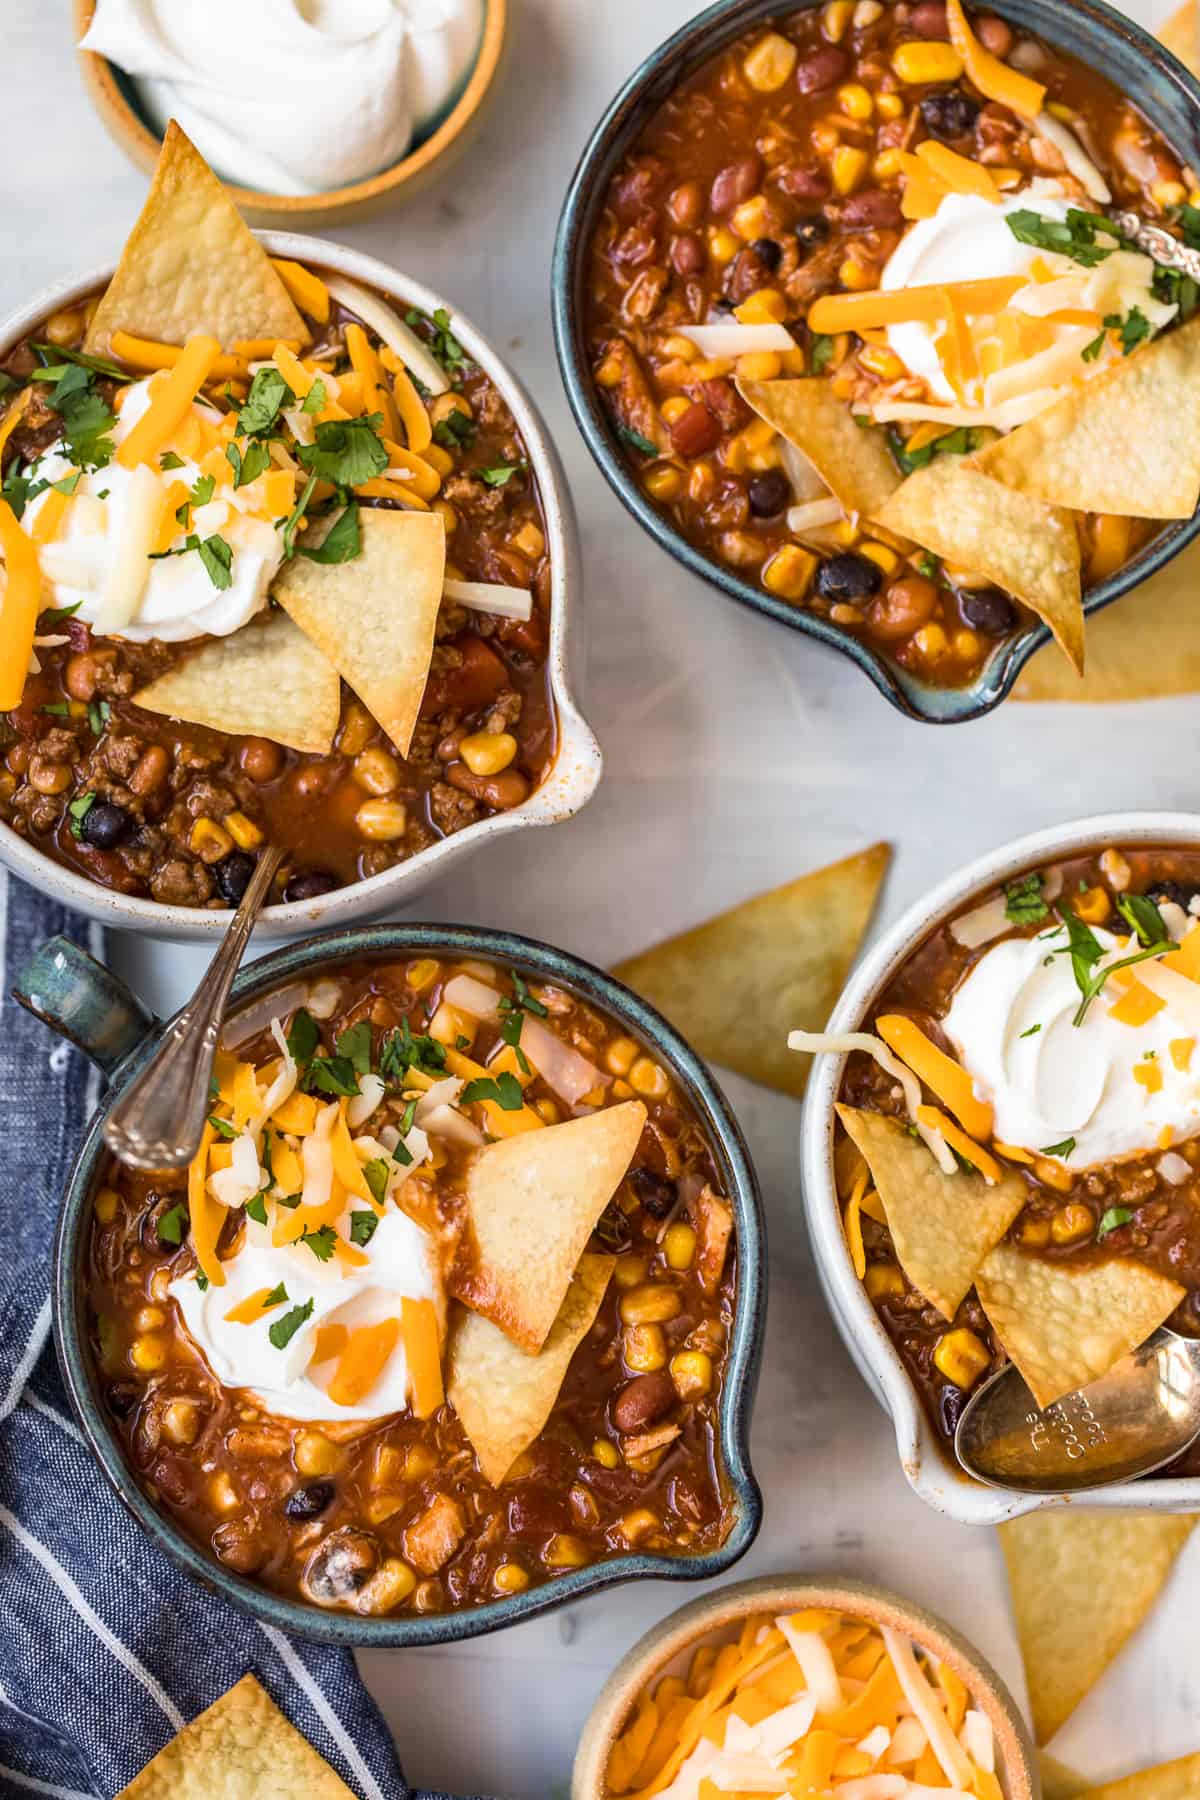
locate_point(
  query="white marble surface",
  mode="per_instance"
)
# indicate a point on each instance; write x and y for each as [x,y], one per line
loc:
[737,756]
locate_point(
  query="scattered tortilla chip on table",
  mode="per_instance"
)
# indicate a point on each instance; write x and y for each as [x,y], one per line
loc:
[532,1203]
[1144,647]
[1125,442]
[241,1748]
[192,265]
[943,1226]
[1178,1780]
[375,616]
[502,1396]
[266,680]
[736,985]
[1081,1584]
[1064,1326]
[1181,35]
[854,463]
[1026,547]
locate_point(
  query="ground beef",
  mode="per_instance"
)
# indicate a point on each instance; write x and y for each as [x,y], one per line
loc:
[473,496]
[209,800]
[181,882]
[450,809]
[58,745]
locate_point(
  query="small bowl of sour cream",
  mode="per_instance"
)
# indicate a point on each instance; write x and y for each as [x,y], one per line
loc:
[367,96]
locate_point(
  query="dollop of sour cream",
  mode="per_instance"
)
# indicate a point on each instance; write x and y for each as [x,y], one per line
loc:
[1049,1080]
[179,600]
[287,1382]
[293,96]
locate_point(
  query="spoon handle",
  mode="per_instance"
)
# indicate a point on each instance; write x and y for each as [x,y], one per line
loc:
[158,1121]
[1158,243]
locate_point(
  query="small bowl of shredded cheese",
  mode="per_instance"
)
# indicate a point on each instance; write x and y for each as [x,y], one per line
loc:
[789,1686]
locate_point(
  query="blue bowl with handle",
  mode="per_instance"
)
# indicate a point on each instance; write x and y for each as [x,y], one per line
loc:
[1139,67]
[83,1001]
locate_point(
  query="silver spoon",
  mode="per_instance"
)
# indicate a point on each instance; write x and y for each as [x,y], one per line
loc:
[1158,243]
[159,1120]
[1140,1416]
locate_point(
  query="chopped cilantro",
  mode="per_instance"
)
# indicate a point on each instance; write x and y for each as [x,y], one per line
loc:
[246,467]
[269,395]
[1023,903]
[400,1051]
[78,810]
[456,431]
[321,1243]
[172,1224]
[217,557]
[85,413]
[345,451]
[1032,1032]
[402,1154]
[256,1208]
[284,1330]
[1112,1220]
[376,1173]
[363,1226]
[1091,351]
[355,1045]
[99,712]
[222,1127]
[822,352]
[276,1297]
[1074,236]
[525,999]
[1140,911]
[1174,288]
[57,709]
[55,616]
[928,565]
[96,365]
[1188,220]
[303,1036]
[505,1090]
[332,1075]
[443,343]
[635,440]
[510,1031]
[1135,328]
[1085,951]
[501,475]
[289,525]
[342,542]
[959,442]
[168,460]
[291,1201]
[203,490]
[202,1281]
[315,398]
[1064,1149]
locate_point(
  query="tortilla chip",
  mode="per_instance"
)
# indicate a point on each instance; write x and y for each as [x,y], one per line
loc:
[1064,1326]
[242,1748]
[374,617]
[191,265]
[532,1203]
[943,1226]
[1059,1782]
[266,680]
[854,463]
[1181,35]
[1144,647]
[738,984]
[1126,442]
[1029,549]
[1081,1584]
[1179,1780]
[504,1397]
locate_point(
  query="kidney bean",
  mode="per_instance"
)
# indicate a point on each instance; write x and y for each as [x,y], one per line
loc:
[822,68]
[907,605]
[929,20]
[735,183]
[722,398]
[637,187]
[81,676]
[994,35]
[635,246]
[875,209]
[474,683]
[643,1402]
[804,181]
[695,432]
[686,204]
[688,255]
[500,792]
[150,771]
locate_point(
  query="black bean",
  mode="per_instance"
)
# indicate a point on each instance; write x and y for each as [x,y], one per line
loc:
[950,115]
[122,1398]
[849,577]
[309,1501]
[1182,895]
[768,252]
[951,1401]
[988,610]
[309,884]
[813,231]
[722,304]
[657,1193]
[104,825]
[233,874]
[769,493]
[340,1565]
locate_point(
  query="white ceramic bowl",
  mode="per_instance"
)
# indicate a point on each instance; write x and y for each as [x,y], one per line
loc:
[577,767]
[931,1469]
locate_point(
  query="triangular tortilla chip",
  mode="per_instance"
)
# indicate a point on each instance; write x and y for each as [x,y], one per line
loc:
[1081,1584]
[852,461]
[738,984]
[1065,1325]
[1179,1780]
[1181,35]
[942,1225]
[1029,549]
[1059,1782]
[532,1203]
[1143,647]
[241,1747]
[504,1397]
[1125,442]
[266,680]
[375,616]
[191,265]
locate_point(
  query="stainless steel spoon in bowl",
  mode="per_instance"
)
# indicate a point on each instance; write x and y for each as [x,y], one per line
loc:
[1138,1418]
[159,1120]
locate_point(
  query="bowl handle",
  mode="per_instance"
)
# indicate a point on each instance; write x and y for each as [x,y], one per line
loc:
[83,1001]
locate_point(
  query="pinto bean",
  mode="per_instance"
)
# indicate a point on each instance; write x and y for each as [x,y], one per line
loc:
[804,181]
[687,254]
[695,432]
[735,183]
[643,1401]
[875,209]
[929,20]
[150,771]
[500,792]
[994,35]
[822,68]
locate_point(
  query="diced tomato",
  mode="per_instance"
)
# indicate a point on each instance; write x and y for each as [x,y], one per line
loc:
[474,683]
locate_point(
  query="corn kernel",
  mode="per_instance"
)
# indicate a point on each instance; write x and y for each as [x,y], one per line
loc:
[357,729]
[222,1494]
[1094,906]
[679,1245]
[638,1524]
[790,572]
[961,1357]
[181,1421]
[609,374]
[967,644]
[1053,1174]
[648,1079]
[388,1588]
[886,165]
[1071,1223]
[487,752]
[377,770]
[835,20]
[315,1454]
[448,1024]
[867,12]
[750,218]
[855,101]
[681,349]
[713,368]
[881,556]
[722,247]
[889,106]
[606,1454]
[845,534]
[849,166]
[546,1111]
[419,1462]
[879,360]
[766,306]
[884,1281]
[825,137]
[652,1304]
[692,1373]
[922,62]
[210,841]
[445,404]
[1167,194]
[630,1270]
[1035,1233]
[421,974]
[644,1348]
[1116,870]
[844,612]
[383,820]
[105,1207]
[244,832]
[160,1282]
[448,515]
[702,479]
[510,1578]
[664,481]
[621,1090]
[770,63]
[675,407]
[931,642]
[735,455]
[566,1552]
[620,1056]
[149,1318]
[852,275]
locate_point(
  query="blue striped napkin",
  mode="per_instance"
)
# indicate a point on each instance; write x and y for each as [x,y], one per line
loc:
[106,1651]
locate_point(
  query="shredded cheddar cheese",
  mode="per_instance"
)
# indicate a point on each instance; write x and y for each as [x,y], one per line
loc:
[20,600]
[929,305]
[172,401]
[948,1079]
[994,79]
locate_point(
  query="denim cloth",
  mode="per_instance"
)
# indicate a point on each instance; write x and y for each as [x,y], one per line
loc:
[105,1649]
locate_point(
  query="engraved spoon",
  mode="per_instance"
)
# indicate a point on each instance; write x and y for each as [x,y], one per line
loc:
[1158,243]
[159,1120]
[1135,1419]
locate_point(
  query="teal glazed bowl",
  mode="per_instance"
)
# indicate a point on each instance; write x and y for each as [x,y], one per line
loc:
[84,1002]
[1138,66]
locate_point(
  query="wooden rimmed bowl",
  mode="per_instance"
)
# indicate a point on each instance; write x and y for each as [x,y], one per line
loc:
[109,93]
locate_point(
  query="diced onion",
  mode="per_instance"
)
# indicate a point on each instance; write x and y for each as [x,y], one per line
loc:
[813,514]
[1174,1168]
[283,1086]
[982,924]
[908,1741]
[391,328]
[736,339]
[371,1089]
[242,1179]
[562,1068]
[1078,162]
[490,597]
[322,998]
